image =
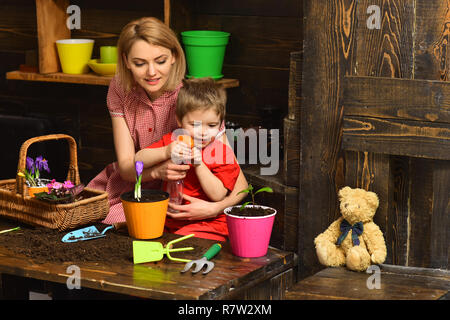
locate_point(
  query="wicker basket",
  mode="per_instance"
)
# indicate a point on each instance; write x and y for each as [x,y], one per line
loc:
[16,204]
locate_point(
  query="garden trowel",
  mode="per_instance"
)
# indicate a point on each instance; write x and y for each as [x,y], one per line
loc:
[87,233]
[149,251]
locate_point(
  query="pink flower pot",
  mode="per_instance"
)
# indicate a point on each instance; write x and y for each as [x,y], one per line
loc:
[249,236]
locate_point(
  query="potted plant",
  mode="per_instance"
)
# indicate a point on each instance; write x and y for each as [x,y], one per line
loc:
[145,210]
[250,226]
[58,192]
[32,174]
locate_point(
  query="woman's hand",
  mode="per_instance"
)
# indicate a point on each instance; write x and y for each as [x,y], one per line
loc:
[167,170]
[197,209]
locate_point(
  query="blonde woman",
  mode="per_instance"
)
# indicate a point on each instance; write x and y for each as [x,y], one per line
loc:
[141,101]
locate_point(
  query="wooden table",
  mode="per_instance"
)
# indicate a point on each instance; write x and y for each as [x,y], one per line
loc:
[232,278]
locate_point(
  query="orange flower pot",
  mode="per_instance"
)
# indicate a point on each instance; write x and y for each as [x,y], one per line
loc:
[33,190]
[145,218]
[41,188]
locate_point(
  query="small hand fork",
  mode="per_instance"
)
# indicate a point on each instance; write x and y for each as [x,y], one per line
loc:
[204,261]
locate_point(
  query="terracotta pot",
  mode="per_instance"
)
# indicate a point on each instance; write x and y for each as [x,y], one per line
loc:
[145,218]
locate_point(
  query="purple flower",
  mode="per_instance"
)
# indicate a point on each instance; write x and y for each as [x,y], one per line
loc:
[42,164]
[139,167]
[38,161]
[30,165]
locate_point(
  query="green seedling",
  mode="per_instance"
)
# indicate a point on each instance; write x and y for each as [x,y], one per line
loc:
[250,191]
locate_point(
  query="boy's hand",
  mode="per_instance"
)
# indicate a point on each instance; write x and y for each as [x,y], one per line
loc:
[180,152]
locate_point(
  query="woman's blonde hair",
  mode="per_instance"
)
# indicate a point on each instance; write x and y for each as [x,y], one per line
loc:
[154,32]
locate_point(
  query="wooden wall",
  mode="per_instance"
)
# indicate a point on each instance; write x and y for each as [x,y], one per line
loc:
[411,43]
[263,33]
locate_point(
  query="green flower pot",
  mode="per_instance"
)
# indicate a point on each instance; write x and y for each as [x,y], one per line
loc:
[205,51]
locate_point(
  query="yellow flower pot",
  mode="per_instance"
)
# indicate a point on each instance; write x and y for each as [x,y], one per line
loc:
[74,55]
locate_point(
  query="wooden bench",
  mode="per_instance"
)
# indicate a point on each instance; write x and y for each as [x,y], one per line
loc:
[395,283]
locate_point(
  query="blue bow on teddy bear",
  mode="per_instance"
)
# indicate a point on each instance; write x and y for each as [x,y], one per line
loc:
[357,230]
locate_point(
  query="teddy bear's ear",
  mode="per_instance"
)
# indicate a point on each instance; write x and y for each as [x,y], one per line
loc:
[372,199]
[344,192]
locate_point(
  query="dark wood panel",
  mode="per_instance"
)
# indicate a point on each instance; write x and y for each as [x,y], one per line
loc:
[273,8]
[295,86]
[422,100]
[431,40]
[385,52]
[291,152]
[440,225]
[398,137]
[321,165]
[258,87]
[104,24]
[421,177]
[432,62]
[256,41]
[147,8]
[92,160]
[397,226]
[18,29]
[388,51]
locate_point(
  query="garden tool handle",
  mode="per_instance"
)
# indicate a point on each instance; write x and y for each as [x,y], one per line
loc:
[212,251]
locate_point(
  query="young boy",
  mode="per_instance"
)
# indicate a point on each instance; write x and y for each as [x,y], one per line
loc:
[200,112]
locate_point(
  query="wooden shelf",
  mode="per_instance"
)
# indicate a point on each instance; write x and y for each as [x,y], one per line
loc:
[89,78]
[50,30]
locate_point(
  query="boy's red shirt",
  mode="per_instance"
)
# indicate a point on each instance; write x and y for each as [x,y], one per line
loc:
[227,170]
[218,157]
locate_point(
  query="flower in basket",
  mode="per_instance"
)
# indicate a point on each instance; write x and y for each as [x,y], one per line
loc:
[33,170]
[60,192]
[139,166]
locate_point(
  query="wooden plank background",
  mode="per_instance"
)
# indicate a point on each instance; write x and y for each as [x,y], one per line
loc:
[412,43]
[263,34]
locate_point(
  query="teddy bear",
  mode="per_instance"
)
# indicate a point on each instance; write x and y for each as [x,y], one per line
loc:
[353,240]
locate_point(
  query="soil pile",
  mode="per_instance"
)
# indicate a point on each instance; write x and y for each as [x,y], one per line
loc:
[251,212]
[45,245]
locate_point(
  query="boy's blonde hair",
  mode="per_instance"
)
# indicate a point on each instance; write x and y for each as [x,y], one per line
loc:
[154,32]
[201,94]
